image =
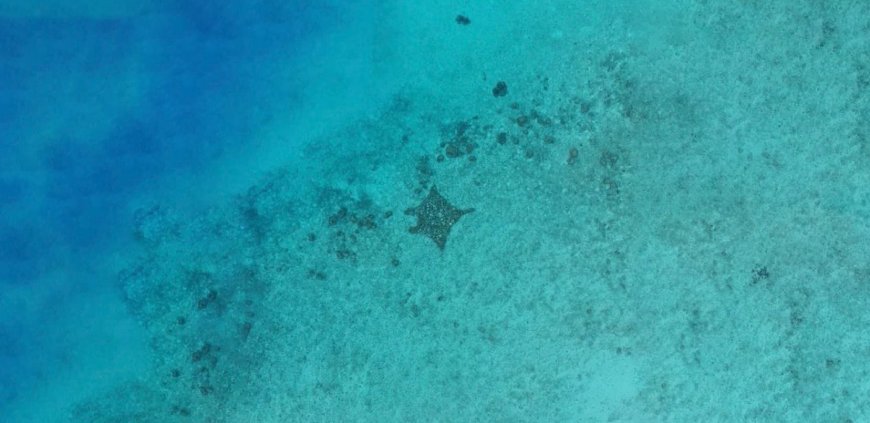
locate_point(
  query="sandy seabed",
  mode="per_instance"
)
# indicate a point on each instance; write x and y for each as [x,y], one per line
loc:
[671,224]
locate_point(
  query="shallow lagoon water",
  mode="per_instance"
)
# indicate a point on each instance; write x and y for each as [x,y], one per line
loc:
[207,211]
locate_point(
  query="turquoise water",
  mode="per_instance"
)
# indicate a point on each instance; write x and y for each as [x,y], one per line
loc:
[272,211]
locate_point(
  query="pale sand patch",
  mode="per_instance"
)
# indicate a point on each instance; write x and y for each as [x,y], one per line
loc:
[689,264]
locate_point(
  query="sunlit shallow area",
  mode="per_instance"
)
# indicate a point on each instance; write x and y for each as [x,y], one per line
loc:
[293,211]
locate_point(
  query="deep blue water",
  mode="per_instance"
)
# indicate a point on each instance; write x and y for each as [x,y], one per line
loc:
[97,111]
